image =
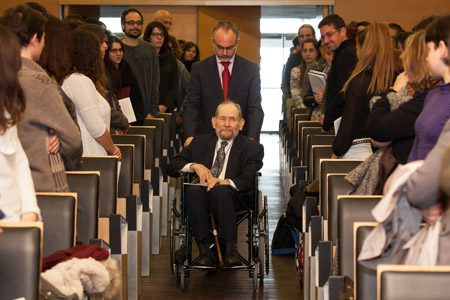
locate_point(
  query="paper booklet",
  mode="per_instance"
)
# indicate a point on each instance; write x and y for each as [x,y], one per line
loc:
[317,80]
[127,109]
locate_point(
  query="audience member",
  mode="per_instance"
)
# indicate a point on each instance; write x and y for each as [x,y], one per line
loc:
[361,25]
[395,29]
[37,6]
[73,21]
[236,77]
[18,198]
[123,81]
[46,129]
[373,75]
[190,54]
[174,47]
[156,34]
[142,58]
[436,108]
[311,99]
[400,40]
[55,60]
[334,36]
[305,31]
[84,87]
[310,50]
[164,17]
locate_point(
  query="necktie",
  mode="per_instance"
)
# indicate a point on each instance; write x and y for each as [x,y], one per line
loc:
[225,79]
[220,159]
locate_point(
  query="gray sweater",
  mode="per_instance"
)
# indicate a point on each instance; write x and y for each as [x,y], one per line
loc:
[44,111]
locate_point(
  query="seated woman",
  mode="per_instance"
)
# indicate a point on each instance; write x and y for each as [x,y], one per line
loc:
[311,99]
[85,87]
[190,54]
[373,75]
[157,34]
[18,198]
[310,51]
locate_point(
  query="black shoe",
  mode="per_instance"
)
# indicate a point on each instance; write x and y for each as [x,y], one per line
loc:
[231,258]
[206,258]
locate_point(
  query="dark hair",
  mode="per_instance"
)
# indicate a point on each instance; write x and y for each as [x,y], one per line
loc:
[25,22]
[175,46]
[55,57]
[95,29]
[397,27]
[126,12]
[37,6]
[188,45]
[73,21]
[226,25]
[303,64]
[362,23]
[11,93]
[113,72]
[95,21]
[148,31]
[308,26]
[86,59]
[438,30]
[334,20]
[424,23]
[401,38]
[295,41]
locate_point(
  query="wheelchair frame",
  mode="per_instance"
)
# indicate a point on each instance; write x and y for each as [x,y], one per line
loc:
[257,262]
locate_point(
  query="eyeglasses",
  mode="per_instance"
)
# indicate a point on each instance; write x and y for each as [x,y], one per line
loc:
[222,49]
[155,34]
[328,35]
[132,23]
[118,50]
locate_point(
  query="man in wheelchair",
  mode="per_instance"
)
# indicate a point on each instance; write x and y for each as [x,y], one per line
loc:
[225,163]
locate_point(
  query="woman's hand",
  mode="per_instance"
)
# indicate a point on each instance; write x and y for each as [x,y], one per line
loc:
[116,152]
[53,144]
[380,144]
[318,97]
[29,217]
[431,214]
[334,156]
[401,81]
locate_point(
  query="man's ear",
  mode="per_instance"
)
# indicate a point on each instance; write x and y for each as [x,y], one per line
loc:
[213,122]
[241,124]
[343,31]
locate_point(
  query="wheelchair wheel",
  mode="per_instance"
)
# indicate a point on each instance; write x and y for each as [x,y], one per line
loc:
[255,277]
[266,236]
[172,237]
[183,279]
[261,259]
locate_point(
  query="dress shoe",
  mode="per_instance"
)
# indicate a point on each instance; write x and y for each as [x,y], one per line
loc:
[206,258]
[231,258]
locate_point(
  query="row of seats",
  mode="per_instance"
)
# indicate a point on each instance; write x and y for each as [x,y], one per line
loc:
[332,241]
[122,206]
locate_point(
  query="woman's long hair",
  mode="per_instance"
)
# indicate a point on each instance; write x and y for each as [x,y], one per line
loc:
[414,60]
[55,57]
[111,69]
[12,98]
[377,56]
[86,57]
[303,63]
[148,31]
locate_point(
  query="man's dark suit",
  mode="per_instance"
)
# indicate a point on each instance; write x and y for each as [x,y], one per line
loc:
[205,94]
[244,161]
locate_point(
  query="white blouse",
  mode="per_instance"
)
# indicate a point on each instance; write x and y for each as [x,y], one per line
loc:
[17,195]
[93,112]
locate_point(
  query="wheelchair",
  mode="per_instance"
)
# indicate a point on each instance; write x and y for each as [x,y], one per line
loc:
[256,263]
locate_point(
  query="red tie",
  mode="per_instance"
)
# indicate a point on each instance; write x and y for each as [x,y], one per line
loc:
[225,79]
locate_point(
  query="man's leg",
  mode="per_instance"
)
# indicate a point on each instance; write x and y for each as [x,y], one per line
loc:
[197,210]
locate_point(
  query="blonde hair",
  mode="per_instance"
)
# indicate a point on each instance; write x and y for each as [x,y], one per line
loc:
[377,56]
[414,60]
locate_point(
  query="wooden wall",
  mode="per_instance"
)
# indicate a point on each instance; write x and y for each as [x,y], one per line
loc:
[406,13]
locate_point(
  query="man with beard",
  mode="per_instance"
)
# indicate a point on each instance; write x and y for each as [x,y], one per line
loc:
[142,58]
[218,78]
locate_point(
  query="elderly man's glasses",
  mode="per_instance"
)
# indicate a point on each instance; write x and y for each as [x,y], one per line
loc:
[222,49]
[132,23]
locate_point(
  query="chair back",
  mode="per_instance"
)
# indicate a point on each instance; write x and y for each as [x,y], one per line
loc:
[107,165]
[86,185]
[299,132]
[158,123]
[126,175]
[150,141]
[319,152]
[139,142]
[307,133]
[337,185]
[351,209]
[169,128]
[313,140]
[59,211]
[365,279]
[20,260]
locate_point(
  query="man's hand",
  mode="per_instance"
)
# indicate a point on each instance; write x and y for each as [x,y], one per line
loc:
[203,173]
[431,214]
[188,141]
[150,116]
[53,146]
[29,217]
[212,182]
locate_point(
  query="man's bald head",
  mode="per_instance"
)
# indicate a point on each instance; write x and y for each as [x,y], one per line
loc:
[164,17]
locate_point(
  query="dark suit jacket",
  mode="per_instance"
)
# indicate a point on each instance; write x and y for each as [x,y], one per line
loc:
[244,161]
[205,94]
